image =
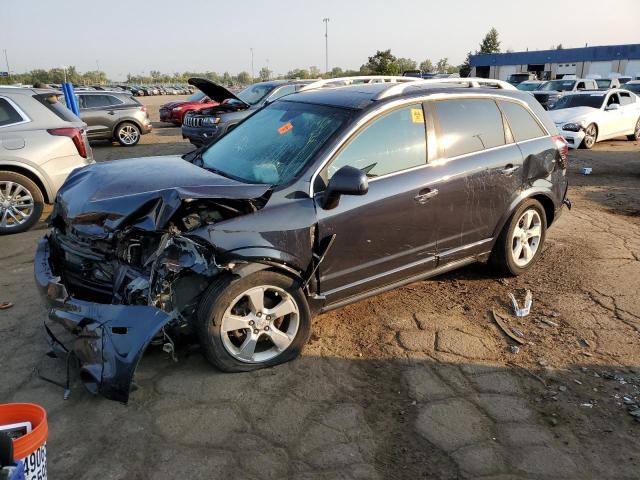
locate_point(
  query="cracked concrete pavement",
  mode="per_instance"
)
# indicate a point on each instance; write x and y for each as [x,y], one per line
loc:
[414,383]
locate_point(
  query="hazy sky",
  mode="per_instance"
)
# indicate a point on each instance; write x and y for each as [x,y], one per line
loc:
[171,36]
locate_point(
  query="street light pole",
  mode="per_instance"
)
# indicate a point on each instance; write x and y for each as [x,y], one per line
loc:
[326,43]
[253,76]
[6,59]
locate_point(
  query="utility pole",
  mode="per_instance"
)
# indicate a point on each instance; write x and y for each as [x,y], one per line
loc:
[6,59]
[98,64]
[253,76]
[326,43]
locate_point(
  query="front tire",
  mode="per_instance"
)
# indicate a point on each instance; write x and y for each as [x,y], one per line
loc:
[521,240]
[636,133]
[253,322]
[590,136]
[21,203]
[128,134]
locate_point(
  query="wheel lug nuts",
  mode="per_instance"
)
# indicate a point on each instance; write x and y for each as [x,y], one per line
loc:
[255,331]
[252,323]
[268,317]
[266,329]
[259,314]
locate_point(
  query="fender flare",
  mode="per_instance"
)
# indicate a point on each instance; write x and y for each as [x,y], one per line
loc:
[17,165]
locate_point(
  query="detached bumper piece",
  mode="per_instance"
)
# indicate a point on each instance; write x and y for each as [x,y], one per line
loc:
[107,340]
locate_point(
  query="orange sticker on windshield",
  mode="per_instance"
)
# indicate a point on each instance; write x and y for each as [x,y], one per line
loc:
[417,116]
[285,128]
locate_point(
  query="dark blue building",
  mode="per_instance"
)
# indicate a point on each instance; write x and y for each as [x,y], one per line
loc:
[605,61]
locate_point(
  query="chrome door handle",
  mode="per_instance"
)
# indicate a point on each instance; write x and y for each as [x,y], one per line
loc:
[508,170]
[424,195]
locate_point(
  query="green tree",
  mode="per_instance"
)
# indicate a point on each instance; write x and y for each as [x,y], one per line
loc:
[490,43]
[300,73]
[314,72]
[226,78]
[405,64]
[442,65]
[465,68]
[336,72]
[426,66]
[244,78]
[265,74]
[382,63]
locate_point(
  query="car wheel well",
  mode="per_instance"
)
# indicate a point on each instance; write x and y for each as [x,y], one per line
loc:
[549,207]
[31,176]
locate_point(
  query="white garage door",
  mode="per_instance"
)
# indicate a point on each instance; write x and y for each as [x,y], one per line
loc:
[633,68]
[505,71]
[600,68]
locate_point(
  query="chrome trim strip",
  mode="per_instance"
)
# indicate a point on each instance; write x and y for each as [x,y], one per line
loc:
[464,247]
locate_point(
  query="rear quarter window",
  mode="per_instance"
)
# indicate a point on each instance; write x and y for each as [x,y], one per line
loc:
[523,126]
[55,104]
[8,114]
[468,125]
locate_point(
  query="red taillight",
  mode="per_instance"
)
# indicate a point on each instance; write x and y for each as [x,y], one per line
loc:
[561,145]
[75,134]
[143,108]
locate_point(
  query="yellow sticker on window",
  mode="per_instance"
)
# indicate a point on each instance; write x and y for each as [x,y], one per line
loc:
[417,116]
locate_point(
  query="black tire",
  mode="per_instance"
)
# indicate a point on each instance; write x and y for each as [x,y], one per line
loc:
[589,141]
[502,257]
[219,297]
[36,195]
[123,131]
[636,133]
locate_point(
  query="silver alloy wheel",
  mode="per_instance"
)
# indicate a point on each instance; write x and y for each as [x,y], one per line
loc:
[526,237]
[128,134]
[637,130]
[590,136]
[16,204]
[260,324]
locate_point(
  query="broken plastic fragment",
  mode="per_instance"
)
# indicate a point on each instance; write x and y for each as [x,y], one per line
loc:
[524,311]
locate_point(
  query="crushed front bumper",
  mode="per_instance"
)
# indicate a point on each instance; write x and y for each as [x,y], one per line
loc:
[108,340]
[574,139]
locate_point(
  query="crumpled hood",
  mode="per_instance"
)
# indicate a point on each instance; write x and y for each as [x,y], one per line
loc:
[575,114]
[145,192]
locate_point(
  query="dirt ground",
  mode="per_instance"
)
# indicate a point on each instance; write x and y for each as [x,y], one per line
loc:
[416,383]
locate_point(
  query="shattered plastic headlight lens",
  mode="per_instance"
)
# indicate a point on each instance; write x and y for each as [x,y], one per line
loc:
[572,127]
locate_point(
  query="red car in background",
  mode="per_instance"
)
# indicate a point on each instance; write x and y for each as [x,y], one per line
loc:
[173,112]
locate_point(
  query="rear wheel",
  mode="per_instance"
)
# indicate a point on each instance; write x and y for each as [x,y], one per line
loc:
[21,203]
[521,240]
[127,134]
[590,136]
[636,133]
[253,322]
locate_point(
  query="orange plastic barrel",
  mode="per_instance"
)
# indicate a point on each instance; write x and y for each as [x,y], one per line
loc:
[32,447]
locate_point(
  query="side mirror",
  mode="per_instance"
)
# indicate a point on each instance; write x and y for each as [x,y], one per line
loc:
[613,106]
[346,181]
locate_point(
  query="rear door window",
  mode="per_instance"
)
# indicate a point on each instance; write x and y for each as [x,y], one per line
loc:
[468,125]
[96,101]
[393,142]
[8,114]
[522,124]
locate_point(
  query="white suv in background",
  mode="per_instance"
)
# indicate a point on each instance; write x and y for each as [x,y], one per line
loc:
[41,143]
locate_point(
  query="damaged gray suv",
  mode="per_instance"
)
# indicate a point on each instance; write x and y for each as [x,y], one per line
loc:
[318,200]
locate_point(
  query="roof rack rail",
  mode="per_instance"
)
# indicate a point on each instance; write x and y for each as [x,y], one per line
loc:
[470,82]
[342,81]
